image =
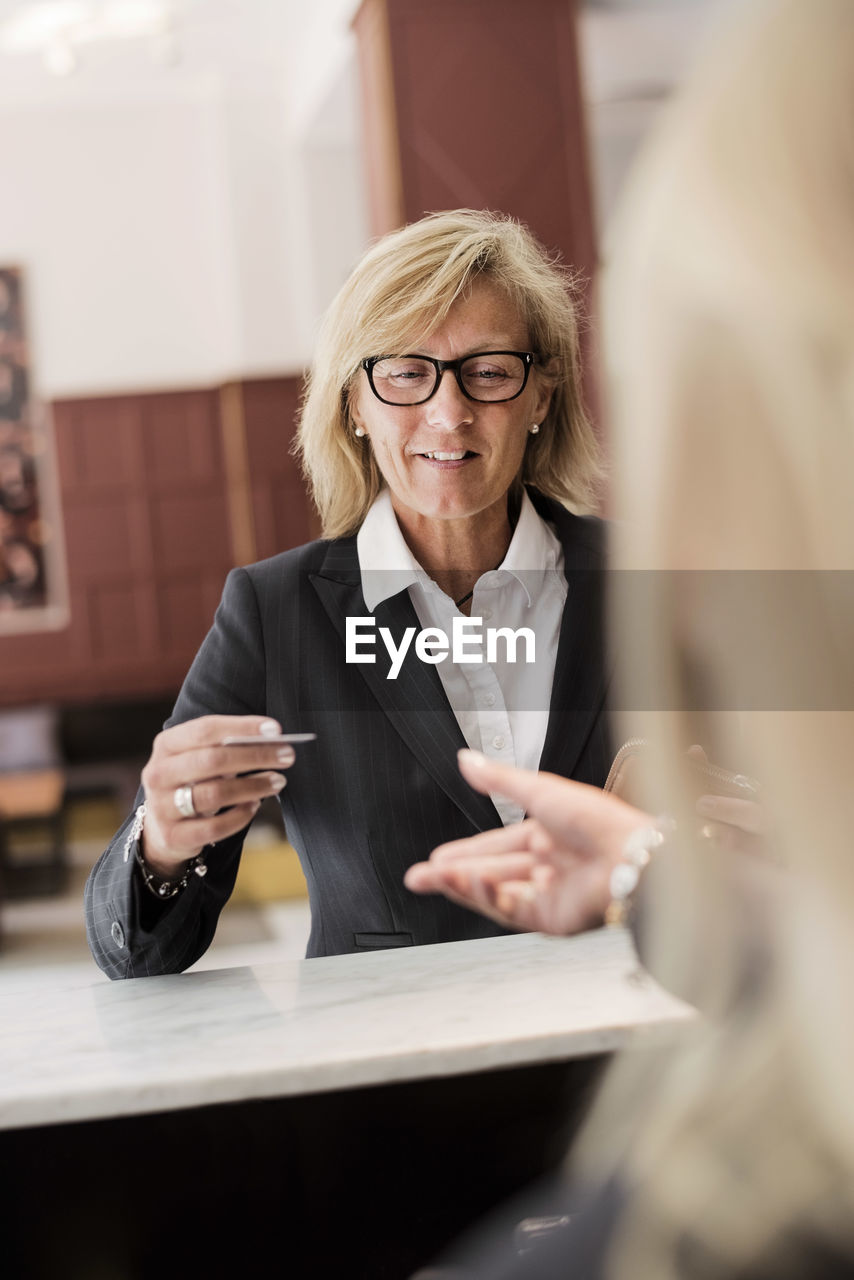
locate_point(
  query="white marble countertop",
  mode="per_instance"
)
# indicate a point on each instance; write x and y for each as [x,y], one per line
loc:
[225,1035]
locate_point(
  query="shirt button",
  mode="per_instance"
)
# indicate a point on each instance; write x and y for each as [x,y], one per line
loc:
[499,741]
[117,934]
[489,699]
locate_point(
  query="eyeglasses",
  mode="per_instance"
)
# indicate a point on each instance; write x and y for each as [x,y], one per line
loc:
[488,376]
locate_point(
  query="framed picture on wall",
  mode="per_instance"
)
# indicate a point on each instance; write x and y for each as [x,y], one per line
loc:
[33,584]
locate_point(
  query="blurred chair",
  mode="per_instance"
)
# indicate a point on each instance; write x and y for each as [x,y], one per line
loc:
[32,794]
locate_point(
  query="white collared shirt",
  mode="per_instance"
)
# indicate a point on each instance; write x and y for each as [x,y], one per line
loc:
[502,707]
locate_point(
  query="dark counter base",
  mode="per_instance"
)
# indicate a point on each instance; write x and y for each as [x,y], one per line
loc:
[362,1184]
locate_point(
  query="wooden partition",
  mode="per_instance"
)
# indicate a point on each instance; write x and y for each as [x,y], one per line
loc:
[161,495]
[479,104]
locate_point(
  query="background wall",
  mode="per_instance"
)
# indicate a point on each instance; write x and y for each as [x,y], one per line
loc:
[164,242]
[184,209]
[121,220]
[185,223]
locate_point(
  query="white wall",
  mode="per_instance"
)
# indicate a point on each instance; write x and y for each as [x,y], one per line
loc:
[257,192]
[115,215]
[181,229]
[634,53]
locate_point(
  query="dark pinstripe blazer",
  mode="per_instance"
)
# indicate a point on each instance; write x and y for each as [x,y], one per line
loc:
[380,787]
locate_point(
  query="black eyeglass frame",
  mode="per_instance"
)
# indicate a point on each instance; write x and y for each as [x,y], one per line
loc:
[528,358]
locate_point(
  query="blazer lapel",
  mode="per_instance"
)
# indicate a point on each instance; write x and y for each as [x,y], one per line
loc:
[415,702]
[581,674]
[580,679]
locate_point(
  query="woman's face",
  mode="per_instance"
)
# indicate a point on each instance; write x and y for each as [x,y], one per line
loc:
[487,441]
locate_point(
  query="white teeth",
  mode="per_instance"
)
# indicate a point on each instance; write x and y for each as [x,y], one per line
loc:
[446,457]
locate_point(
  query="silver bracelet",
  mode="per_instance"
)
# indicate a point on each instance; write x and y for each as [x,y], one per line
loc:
[160,888]
[625,877]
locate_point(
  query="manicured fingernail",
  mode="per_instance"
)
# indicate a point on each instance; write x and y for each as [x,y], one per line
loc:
[269,728]
[706,804]
[276,781]
[287,755]
[472,757]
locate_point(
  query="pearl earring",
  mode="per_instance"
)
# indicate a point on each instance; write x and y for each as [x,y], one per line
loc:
[360,431]
[535,428]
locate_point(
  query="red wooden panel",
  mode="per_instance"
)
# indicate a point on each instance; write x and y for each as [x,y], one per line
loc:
[98,537]
[486,111]
[270,408]
[143,491]
[98,443]
[187,607]
[182,440]
[147,516]
[283,513]
[42,649]
[292,519]
[489,113]
[117,622]
[190,531]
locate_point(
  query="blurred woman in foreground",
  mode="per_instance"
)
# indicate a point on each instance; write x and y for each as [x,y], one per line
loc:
[730,316]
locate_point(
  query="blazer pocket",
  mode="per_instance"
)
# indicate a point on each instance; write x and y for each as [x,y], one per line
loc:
[381,941]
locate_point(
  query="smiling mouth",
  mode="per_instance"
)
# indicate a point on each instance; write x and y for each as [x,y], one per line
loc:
[456,456]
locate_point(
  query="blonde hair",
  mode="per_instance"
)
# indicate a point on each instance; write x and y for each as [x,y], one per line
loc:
[401,289]
[729,328]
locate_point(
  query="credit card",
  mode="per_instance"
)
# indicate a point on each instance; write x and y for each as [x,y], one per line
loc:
[272,739]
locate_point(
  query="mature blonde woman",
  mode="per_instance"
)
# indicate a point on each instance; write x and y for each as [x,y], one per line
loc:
[731,317]
[445,442]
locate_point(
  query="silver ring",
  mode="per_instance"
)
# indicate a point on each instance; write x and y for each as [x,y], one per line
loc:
[184,801]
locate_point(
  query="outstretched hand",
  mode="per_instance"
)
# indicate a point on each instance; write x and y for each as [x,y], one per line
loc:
[550,873]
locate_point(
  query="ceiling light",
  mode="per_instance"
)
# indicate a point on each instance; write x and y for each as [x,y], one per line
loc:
[40,27]
[59,59]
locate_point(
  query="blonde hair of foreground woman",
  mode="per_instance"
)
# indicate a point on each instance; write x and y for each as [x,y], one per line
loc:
[729,315]
[400,290]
